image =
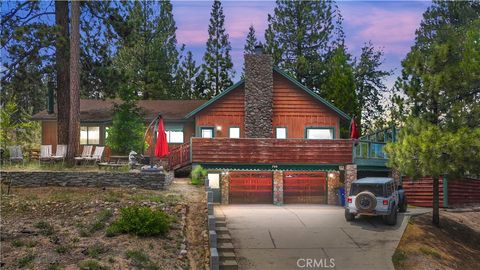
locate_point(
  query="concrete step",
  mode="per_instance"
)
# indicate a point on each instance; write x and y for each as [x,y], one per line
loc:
[222,230]
[224,238]
[220,224]
[225,247]
[226,255]
[228,265]
[220,218]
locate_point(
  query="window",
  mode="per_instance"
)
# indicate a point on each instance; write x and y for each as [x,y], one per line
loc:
[319,133]
[89,135]
[234,132]
[174,136]
[206,132]
[281,133]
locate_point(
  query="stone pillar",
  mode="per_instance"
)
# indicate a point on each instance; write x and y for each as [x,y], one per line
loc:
[333,184]
[258,95]
[350,176]
[225,186]
[278,187]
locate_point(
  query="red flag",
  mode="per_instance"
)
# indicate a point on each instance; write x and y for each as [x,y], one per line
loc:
[353,130]
[161,148]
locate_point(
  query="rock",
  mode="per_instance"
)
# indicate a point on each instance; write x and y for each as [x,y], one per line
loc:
[183,252]
[183,246]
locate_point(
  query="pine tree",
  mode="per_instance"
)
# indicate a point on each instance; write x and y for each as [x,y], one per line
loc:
[187,76]
[218,65]
[250,43]
[303,32]
[370,86]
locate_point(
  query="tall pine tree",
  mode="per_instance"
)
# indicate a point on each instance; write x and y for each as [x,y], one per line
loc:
[370,86]
[218,67]
[304,32]
[250,44]
[187,77]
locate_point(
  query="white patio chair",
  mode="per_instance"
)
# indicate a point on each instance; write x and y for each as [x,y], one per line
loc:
[86,153]
[45,153]
[61,153]
[97,155]
[16,154]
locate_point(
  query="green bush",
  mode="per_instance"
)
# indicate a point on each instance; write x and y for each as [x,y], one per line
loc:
[141,221]
[26,260]
[198,175]
[45,228]
[140,260]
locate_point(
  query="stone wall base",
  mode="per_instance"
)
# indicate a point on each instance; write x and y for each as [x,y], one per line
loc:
[86,179]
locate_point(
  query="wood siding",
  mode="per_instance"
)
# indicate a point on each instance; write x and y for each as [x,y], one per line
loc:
[49,133]
[294,109]
[271,151]
[463,191]
[420,192]
[229,111]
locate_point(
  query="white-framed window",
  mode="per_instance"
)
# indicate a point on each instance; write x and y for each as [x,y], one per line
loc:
[89,135]
[314,133]
[174,136]
[281,132]
[234,132]
[206,132]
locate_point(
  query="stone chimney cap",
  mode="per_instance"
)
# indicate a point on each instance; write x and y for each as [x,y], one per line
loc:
[258,49]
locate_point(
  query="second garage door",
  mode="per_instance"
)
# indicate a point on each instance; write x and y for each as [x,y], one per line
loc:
[251,187]
[304,187]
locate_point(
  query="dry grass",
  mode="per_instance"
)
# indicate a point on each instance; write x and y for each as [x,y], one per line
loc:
[452,246]
[61,227]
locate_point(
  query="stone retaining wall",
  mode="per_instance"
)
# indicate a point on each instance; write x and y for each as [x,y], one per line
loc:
[85,179]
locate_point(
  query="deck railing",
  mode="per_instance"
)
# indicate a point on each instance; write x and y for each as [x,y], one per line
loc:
[179,156]
[370,150]
[271,151]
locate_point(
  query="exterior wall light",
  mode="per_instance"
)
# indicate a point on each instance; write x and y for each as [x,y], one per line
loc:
[219,128]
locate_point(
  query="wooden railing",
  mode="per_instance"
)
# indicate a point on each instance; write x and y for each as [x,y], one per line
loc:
[179,156]
[271,151]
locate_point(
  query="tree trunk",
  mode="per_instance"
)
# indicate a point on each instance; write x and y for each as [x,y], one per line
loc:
[436,203]
[62,69]
[74,125]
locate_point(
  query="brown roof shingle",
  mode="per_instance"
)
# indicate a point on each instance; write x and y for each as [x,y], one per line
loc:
[97,110]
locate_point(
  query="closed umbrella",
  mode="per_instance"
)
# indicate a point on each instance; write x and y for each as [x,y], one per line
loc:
[353,130]
[161,146]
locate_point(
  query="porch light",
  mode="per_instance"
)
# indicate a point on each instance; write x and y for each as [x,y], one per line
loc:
[219,128]
[331,175]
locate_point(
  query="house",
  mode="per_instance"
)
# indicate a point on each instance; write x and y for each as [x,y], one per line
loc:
[265,139]
[96,116]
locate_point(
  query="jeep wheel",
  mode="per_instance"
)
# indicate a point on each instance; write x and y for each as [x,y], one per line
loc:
[403,206]
[392,218]
[349,216]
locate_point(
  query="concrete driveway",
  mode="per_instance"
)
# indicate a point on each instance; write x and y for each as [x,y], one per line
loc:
[310,237]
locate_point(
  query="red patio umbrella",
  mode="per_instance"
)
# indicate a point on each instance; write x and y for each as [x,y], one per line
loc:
[161,147]
[353,130]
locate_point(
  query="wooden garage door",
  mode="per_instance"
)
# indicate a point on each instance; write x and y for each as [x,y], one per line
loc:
[304,187]
[251,187]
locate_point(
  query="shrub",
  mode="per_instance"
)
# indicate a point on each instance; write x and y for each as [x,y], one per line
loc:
[91,265]
[95,250]
[198,175]
[44,227]
[140,260]
[141,221]
[26,260]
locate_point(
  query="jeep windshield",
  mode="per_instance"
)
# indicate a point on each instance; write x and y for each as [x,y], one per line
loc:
[376,189]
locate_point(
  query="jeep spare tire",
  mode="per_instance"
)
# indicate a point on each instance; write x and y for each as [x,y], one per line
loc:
[365,201]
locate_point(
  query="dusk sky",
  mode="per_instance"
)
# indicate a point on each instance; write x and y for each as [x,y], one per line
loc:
[390,25]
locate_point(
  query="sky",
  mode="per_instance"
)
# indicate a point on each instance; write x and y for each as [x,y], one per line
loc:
[389,25]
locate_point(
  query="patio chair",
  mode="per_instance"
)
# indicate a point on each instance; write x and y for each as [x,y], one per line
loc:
[16,154]
[97,155]
[86,153]
[45,153]
[61,153]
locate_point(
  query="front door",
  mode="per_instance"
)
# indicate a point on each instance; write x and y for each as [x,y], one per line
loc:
[214,184]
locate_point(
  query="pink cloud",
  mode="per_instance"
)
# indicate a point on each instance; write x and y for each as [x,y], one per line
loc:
[392,30]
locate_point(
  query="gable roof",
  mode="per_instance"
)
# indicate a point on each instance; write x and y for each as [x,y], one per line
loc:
[325,102]
[97,110]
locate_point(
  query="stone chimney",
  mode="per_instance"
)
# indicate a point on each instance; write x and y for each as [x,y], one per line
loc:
[258,94]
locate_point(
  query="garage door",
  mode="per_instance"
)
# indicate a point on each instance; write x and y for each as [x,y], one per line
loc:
[304,187]
[251,187]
